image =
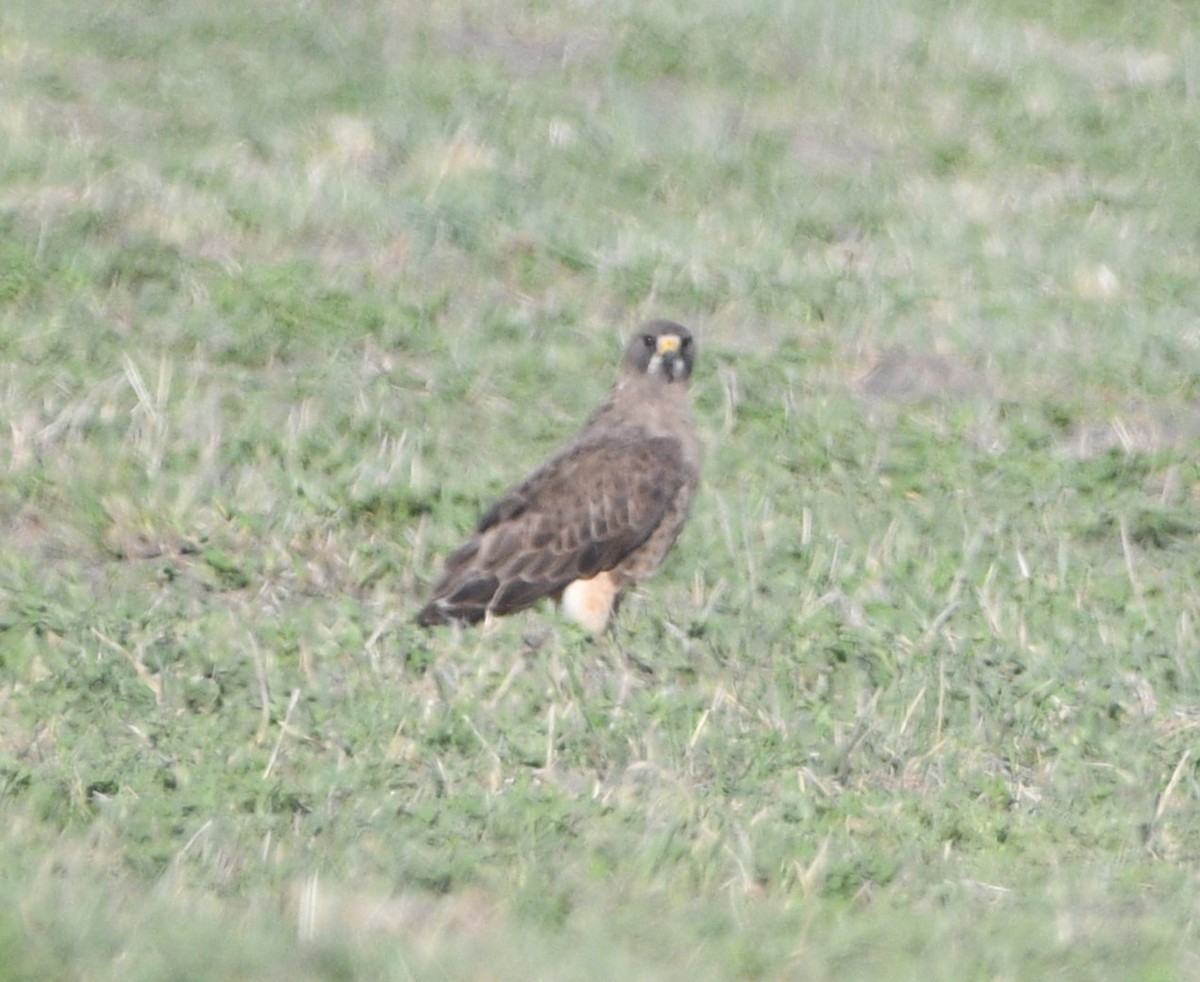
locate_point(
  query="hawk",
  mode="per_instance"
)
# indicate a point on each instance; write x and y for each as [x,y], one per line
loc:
[599,515]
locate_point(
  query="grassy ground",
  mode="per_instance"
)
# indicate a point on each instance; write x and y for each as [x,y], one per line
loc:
[289,290]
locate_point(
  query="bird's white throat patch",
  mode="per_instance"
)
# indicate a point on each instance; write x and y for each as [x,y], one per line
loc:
[657,366]
[590,602]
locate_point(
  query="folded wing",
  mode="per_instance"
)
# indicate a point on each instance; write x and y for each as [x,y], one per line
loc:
[582,513]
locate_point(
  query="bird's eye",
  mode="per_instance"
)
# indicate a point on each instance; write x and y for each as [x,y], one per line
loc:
[686,342]
[648,340]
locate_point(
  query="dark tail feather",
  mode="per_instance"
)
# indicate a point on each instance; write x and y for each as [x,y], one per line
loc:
[438,613]
[467,602]
[432,615]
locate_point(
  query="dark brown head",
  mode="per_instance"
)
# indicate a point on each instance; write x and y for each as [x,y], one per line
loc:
[661,348]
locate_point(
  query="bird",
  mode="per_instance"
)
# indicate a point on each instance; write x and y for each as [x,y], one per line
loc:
[598,516]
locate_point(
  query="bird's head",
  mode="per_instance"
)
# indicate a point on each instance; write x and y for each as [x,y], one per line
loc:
[662,349]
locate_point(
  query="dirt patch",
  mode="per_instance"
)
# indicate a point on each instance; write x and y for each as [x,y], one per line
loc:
[523,54]
[898,375]
[425,921]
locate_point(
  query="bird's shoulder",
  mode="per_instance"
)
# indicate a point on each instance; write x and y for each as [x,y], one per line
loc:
[602,463]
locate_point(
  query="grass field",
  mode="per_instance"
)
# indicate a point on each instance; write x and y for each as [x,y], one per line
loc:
[290,290]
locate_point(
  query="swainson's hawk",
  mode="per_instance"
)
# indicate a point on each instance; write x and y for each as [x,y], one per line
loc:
[600,514]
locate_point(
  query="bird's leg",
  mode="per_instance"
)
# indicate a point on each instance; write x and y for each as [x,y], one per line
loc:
[630,670]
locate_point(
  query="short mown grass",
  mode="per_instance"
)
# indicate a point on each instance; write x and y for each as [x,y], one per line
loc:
[288,292]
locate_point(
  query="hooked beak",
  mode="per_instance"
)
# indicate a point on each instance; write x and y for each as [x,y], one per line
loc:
[668,344]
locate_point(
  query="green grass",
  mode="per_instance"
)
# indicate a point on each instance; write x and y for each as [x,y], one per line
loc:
[289,291]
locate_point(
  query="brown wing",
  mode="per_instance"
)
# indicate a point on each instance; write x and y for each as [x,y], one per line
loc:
[583,512]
